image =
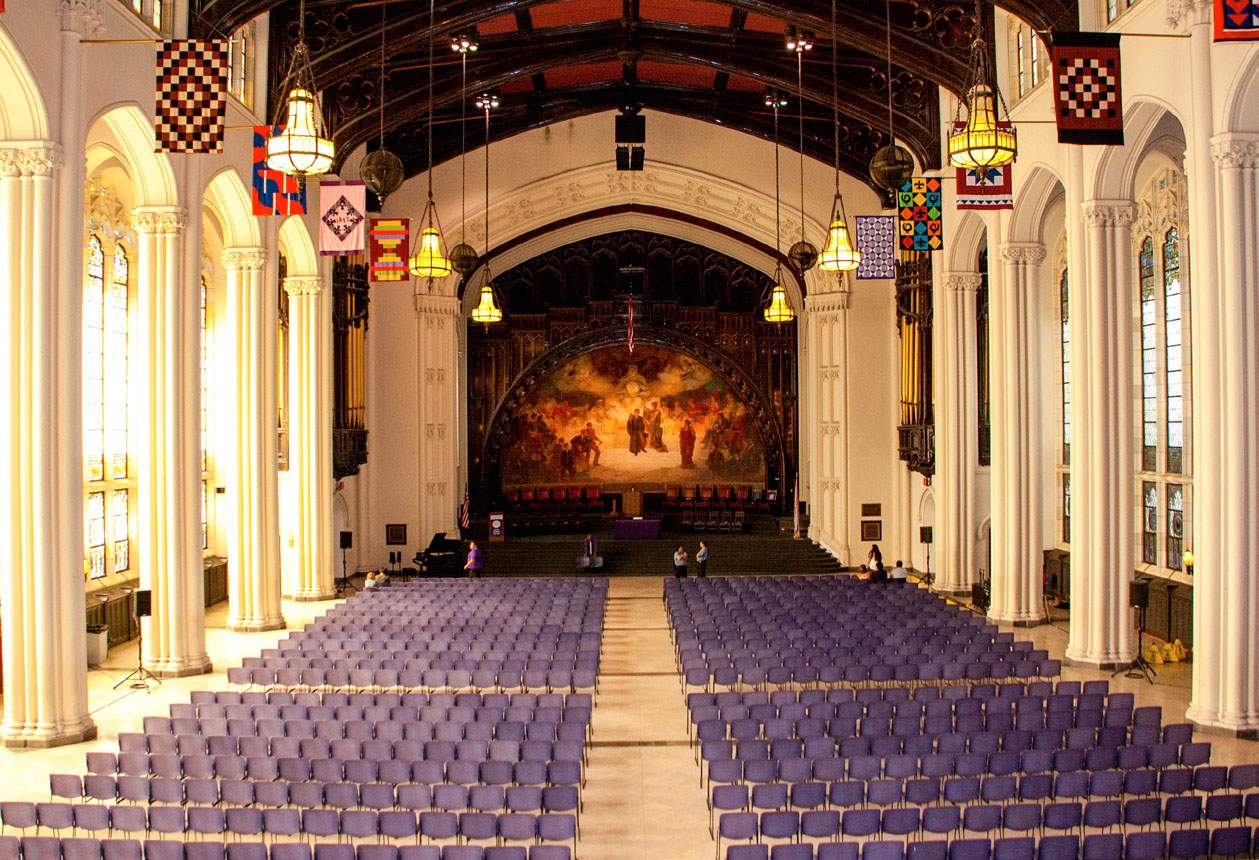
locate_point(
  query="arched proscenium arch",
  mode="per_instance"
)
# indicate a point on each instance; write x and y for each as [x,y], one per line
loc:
[767,428]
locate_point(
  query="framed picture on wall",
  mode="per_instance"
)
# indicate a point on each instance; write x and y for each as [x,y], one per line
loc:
[872,530]
[871,509]
[396,534]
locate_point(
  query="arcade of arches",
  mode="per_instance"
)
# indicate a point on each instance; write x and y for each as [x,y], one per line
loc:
[199,403]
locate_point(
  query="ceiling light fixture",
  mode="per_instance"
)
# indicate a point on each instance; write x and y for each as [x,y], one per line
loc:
[803,254]
[463,257]
[381,170]
[985,138]
[303,148]
[428,261]
[839,255]
[778,310]
[892,165]
[487,310]
[799,40]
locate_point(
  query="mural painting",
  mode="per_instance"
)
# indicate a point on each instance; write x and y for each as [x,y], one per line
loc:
[612,417]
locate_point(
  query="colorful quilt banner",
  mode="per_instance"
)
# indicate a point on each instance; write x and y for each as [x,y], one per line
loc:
[191,95]
[387,249]
[1235,20]
[876,240]
[342,218]
[991,188]
[1088,99]
[273,192]
[919,211]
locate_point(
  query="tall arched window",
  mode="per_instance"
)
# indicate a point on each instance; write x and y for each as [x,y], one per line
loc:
[282,367]
[107,474]
[1164,484]
[1064,316]
[205,393]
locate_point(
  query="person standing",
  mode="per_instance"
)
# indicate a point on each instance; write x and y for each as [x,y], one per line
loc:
[686,441]
[679,563]
[636,429]
[701,559]
[590,548]
[875,558]
[473,564]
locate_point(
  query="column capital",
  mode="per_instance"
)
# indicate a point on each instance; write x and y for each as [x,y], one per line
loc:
[303,286]
[1183,14]
[1108,213]
[821,303]
[159,219]
[1025,253]
[39,158]
[236,259]
[962,282]
[432,305]
[1231,150]
[84,17]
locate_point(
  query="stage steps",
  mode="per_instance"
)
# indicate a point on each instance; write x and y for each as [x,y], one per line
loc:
[761,552]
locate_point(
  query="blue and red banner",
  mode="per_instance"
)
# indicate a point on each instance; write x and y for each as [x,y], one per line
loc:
[273,192]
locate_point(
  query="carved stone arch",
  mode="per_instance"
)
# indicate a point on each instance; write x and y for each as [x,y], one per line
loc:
[769,431]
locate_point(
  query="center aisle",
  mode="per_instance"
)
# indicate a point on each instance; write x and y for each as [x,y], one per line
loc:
[642,797]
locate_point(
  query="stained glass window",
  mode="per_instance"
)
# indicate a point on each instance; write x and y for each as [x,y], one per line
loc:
[1065,309]
[1175,525]
[205,518]
[1149,359]
[120,522]
[205,373]
[115,391]
[94,362]
[1174,352]
[94,533]
[1149,522]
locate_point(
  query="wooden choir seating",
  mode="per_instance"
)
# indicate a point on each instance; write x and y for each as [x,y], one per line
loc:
[714,520]
[709,497]
[562,499]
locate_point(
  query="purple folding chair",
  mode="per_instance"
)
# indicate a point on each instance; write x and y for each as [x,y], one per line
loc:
[749,852]
[439,825]
[290,851]
[838,851]
[334,851]
[246,851]
[796,852]
[1014,848]
[162,849]
[1188,844]
[1230,841]
[81,848]
[970,849]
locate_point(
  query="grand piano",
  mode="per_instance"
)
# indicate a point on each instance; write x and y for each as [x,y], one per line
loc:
[442,557]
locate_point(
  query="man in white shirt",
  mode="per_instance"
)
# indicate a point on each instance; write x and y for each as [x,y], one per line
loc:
[898,573]
[701,559]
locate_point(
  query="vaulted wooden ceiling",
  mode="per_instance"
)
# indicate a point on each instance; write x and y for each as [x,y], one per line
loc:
[711,60]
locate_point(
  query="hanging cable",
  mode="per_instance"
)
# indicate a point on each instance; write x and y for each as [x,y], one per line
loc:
[432,27]
[835,88]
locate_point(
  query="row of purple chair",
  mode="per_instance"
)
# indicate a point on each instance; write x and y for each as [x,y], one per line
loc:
[310,823]
[285,746]
[307,795]
[1117,709]
[1183,845]
[88,848]
[343,726]
[550,680]
[1008,690]
[395,771]
[495,712]
[410,699]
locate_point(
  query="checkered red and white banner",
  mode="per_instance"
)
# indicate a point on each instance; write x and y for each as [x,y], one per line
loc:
[1088,100]
[191,95]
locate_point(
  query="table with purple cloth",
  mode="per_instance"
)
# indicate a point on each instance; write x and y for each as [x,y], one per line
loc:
[636,529]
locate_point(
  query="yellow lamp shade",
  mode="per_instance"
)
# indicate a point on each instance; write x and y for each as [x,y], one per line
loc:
[839,255]
[300,149]
[1188,558]
[778,310]
[982,142]
[488,310]
[428,261]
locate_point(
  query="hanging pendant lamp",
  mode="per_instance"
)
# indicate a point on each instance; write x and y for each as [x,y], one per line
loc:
[487,310]
[839,255]
[303,148]
[985,138]
[778,309]
[428,260]
[803,254]
[463,257]
[892,165]
[381,171]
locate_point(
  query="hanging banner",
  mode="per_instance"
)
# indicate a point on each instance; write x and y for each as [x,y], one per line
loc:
[1235,20]
[273,192]
[342,218]
[191,95]
[876,240]
[987,188]
[919,212]
[387,249]
[1088,100]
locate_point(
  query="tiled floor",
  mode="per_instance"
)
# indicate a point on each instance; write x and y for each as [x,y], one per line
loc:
[643,797]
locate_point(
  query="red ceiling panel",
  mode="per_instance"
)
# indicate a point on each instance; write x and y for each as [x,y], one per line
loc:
[739,82]
[696,12]
[520,84]
[575,12]
[675,73]
[588,73]
[764,23]
[500,24]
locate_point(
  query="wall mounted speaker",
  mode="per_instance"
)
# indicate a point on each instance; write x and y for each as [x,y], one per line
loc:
[347,540]
[1139,594]
[144,603]
[924,534]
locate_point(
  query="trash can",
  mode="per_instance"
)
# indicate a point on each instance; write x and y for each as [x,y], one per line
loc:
[97,644]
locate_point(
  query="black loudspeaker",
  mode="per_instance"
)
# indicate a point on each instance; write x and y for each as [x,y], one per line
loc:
[144,603]
[924,534]
[1139,594]
[347,540]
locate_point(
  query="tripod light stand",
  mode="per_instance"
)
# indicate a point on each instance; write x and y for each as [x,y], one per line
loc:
[1139,601]
[140,608]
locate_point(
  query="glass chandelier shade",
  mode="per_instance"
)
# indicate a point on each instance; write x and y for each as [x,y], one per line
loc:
[982,142]
[779,310]
[429,261]
[840,254]
[302,148]
[487,310]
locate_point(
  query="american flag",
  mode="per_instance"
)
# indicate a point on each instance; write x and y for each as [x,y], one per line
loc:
[465,510]
[631,324]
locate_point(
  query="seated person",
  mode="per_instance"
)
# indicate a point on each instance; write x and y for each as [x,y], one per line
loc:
[898,573]
[863,573]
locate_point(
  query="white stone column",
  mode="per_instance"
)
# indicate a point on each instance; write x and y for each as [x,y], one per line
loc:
[41,531]
[253,558]
[1015,385]
[827,387]
[1225,687]
[1102,464]
[437,317]
[957,436]
[310,435]
[168,449]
